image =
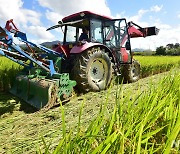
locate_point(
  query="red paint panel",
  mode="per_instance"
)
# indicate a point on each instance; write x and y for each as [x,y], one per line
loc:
[81,48]
[89,13]
[124,55]
[133,32]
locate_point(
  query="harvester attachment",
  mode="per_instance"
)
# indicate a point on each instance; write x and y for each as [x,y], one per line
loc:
[40,92]
[42,83]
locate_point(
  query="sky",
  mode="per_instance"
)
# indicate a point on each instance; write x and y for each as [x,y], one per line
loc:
[34,16]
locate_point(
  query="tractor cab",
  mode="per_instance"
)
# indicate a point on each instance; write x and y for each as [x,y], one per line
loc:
[112,33]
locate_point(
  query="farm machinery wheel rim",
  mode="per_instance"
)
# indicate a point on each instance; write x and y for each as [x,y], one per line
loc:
[98,70]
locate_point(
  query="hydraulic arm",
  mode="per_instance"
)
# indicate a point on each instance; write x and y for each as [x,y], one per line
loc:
[135,30]
[17,54]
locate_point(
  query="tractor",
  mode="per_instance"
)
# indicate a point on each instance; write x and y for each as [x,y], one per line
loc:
[94,48]
[106,51]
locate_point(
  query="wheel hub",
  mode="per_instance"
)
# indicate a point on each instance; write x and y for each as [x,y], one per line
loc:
[94,71]
[98,70]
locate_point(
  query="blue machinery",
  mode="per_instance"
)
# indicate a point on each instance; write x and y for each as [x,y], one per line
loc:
[42,83]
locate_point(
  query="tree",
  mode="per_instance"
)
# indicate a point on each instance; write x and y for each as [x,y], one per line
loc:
[177,45]
[170,46]
[161,50]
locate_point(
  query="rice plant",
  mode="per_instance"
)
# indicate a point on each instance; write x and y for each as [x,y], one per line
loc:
[144,122]
[157,64]
[8,71]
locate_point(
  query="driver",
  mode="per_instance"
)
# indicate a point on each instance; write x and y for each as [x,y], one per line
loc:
[84,34]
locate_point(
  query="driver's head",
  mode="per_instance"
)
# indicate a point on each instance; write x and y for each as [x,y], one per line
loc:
[85,30]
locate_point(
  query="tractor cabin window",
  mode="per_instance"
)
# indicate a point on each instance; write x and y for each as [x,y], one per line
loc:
[96,31]
[71,34]
[115,33]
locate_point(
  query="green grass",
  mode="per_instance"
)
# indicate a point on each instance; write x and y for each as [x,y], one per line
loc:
[149,65]
[157,64]
[144,122]
[143,117]
[8,71]
[87,120]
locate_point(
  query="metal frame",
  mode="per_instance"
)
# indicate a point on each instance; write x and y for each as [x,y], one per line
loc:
[11,50]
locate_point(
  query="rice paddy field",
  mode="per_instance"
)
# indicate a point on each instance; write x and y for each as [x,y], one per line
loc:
[8,70]
[141,117]
[157,64]
[149,65]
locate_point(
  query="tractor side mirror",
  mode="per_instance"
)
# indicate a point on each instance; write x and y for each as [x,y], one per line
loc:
[128,46]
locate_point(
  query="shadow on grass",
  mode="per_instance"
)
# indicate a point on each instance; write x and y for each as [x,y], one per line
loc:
[10,103]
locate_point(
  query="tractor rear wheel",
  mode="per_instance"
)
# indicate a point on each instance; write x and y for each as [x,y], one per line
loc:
[131,72]
[92,70]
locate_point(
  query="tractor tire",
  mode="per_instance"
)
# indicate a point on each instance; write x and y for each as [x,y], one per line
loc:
[92,70]
[131,72]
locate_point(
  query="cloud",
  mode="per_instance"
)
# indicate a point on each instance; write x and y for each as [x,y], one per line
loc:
[142,12]
[27,20]
[156,8]
[136,18]
[53,16]
[63,9]
[13,9]
[39,34]
[178,15]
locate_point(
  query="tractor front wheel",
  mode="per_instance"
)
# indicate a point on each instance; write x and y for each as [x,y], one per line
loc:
[92,70]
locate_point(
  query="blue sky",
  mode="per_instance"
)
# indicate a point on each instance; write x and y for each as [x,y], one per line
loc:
[168,14]
[35,16]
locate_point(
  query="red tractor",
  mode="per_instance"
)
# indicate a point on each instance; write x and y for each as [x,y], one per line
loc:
[104,50]
[94,48]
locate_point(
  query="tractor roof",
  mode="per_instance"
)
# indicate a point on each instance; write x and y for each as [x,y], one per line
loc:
[83,15]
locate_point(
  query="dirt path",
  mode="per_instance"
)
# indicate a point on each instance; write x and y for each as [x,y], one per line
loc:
[21,127]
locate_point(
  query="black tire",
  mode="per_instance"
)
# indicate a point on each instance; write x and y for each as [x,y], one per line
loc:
[131,72]
[92,70]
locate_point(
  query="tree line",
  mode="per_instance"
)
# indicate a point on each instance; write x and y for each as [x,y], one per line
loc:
[169,49]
